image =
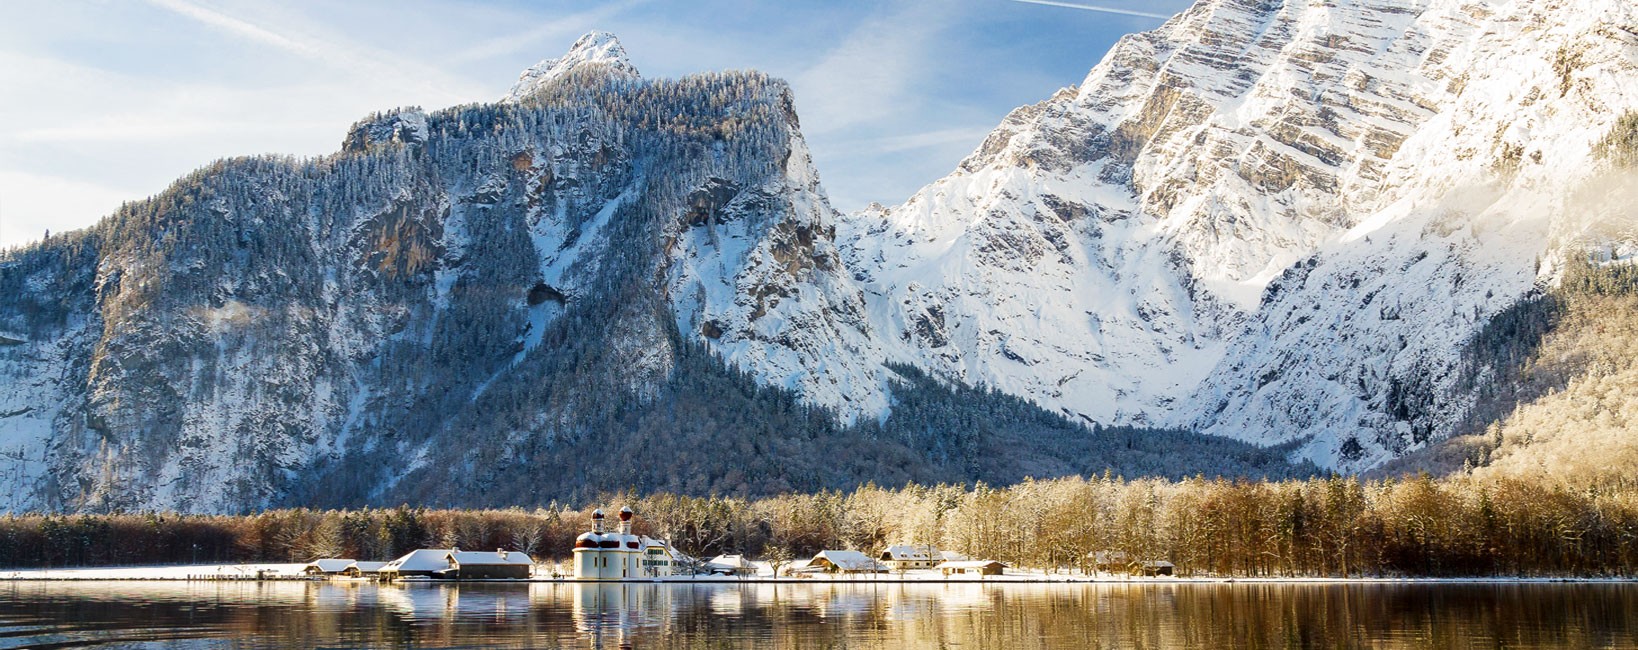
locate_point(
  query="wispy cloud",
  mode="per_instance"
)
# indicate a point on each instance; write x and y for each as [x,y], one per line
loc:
[968,136]
[358,60]
[1098,8]
[256,33]
[869,76]
[153,128]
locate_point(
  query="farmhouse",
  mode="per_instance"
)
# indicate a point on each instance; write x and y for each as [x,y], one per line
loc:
[326,567]
[972,568]
[603,555]
[907,556]
[903,557]
[843,562]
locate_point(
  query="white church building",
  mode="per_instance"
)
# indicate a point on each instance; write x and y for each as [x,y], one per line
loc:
[603,555]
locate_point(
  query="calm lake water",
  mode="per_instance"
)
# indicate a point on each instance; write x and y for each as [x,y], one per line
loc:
[901,617]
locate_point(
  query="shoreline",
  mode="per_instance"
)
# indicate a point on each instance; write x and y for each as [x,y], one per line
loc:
[292,573]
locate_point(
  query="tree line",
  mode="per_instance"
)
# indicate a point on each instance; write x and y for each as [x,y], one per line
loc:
[1333,526]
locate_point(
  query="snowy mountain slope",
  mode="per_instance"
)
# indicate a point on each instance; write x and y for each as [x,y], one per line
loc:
[1107,251]
[600,50]
[449,296]
[264,317]
[757,274]
[1360,347]
[1118,231]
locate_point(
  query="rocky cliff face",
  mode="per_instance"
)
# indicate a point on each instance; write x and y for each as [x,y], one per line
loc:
[423,298]
[1274,221]
[1281,222]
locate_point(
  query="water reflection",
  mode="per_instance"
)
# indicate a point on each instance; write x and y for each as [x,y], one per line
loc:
[861,615]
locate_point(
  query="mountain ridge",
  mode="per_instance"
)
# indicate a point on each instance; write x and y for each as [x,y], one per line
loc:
[1224,228]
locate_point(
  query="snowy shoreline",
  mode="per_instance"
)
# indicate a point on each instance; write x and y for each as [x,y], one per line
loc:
[292,572]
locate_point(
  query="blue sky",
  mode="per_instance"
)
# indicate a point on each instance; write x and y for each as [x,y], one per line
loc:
[111,100]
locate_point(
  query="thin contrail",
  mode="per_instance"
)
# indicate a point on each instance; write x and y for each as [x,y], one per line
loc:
[1107,10]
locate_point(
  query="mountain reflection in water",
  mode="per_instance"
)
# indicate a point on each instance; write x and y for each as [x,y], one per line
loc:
[861,615]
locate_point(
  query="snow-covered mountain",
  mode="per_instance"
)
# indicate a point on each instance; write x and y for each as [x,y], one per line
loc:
[1274,221]
[1278,222]
[596,50]
[480,282]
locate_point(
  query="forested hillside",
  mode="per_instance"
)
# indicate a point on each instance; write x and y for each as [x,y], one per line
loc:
[1559,400]
[1333,527]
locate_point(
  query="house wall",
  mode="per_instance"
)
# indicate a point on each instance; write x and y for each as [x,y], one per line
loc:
[588,564]
[395,575]
[492,571]
[631,564]
[655,565]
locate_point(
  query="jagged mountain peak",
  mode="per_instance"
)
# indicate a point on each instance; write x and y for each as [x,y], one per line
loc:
[593,48]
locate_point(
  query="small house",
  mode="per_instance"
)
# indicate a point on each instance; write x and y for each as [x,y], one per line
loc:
[326,567]
[843,562]
[363,569]
[904,557]
[423,563]
[500,563]
[1109,561]
[972,568]
[1153,568]
[730,565]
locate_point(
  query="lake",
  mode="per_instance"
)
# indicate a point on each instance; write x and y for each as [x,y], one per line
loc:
[834,615]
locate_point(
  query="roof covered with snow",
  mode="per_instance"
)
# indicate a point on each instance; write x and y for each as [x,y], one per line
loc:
[474,558]
[904,553]
[329,565]
[846,561]
[730,562]
[426,559]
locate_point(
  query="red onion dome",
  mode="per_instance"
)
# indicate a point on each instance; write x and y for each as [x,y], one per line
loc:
[625,513]
[588,540]
[631,543]
[597,514]
[609,543]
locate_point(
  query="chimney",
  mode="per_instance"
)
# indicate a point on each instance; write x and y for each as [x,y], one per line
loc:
[501,552]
